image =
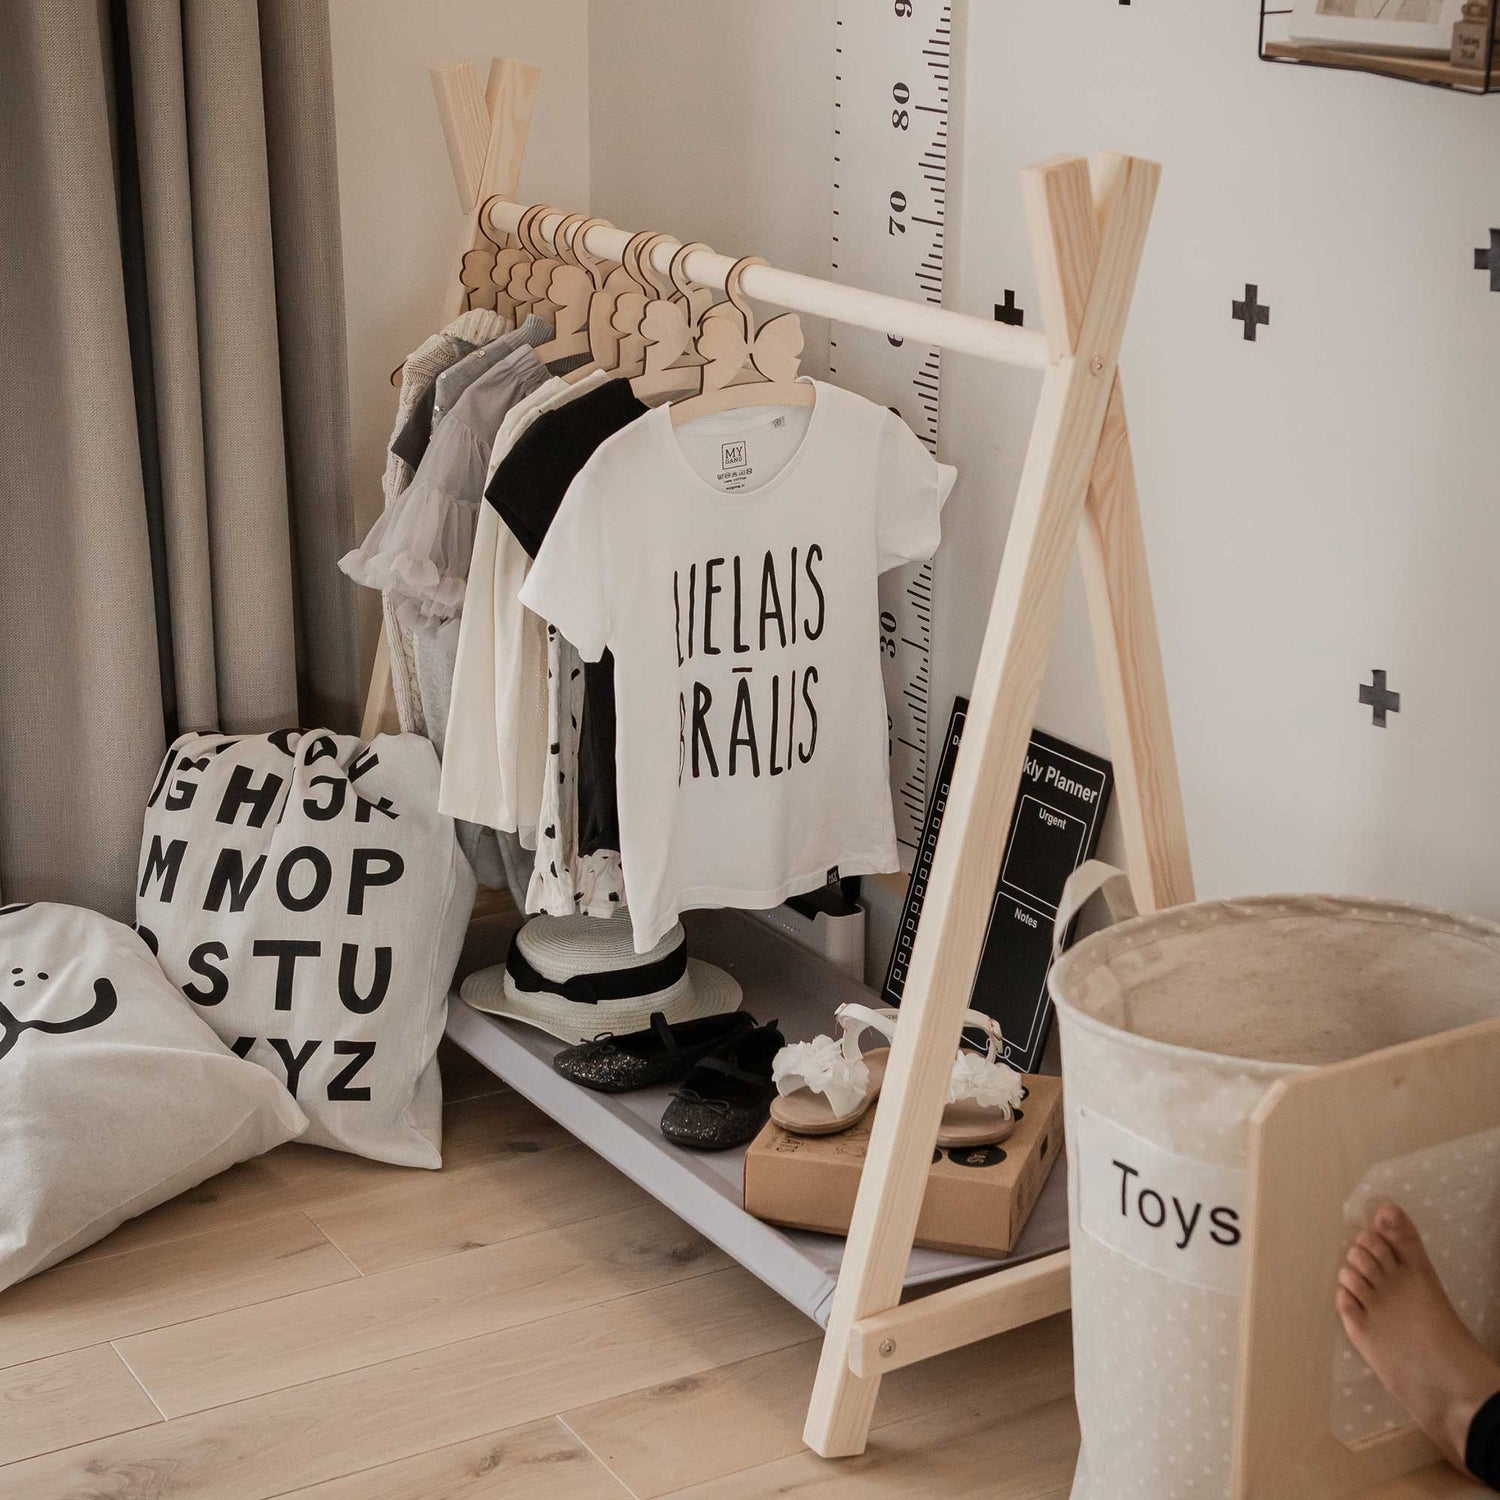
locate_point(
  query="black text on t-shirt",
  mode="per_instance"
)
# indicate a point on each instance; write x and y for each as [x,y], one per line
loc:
[745,608]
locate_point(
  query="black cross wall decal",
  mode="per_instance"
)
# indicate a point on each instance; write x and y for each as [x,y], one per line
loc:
[1008,312]
[1489,260]
[1252,312]
[1377,697]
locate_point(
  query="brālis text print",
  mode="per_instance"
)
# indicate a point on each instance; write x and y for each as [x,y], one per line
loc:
[745,625]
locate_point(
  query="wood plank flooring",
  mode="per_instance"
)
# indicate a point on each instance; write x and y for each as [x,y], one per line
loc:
[525,1324]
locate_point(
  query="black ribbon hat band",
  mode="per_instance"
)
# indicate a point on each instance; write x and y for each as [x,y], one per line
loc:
[610,984]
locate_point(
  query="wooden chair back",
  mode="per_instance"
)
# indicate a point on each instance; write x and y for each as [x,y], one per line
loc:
[1311,1142]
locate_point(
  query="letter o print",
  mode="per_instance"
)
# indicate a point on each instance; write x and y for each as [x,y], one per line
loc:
[322,878]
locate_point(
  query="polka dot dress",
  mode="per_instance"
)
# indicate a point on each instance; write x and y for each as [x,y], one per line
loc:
[565,883]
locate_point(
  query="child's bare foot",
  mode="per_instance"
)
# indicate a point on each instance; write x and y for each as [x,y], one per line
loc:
[1397,1315]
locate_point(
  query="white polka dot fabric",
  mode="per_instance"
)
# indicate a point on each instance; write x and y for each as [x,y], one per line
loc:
[1153,1356]
[1173,1028]
[565,882]
[1452,1192]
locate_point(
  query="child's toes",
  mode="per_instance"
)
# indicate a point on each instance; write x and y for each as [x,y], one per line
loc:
[1377,1247]
[1394,1224]
[1355,1284]
[1350,1308]
[1368,1264]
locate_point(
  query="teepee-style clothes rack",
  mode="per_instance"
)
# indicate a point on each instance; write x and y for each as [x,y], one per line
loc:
[1077,489]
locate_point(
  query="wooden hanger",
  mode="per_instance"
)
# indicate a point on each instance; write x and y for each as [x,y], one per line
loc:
[697,298]
[485,272]
[476,269]
[546,265]
[514,266]
[630,306]
[572,289]
[522,277]
[507,258]
[743,366]
[604,340]
[671,365]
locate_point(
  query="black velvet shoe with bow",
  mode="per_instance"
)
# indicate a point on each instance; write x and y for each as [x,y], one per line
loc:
[662,1053]
[727,1097]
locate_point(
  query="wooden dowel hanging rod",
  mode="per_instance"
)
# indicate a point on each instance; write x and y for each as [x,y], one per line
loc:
[1026,347]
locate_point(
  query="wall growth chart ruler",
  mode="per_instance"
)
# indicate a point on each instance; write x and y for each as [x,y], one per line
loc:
[890,168]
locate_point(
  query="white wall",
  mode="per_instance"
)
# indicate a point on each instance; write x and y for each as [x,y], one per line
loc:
[709,120]
[401,222]
[1317,503]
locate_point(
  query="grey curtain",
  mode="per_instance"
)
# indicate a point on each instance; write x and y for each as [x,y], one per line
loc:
[173,481]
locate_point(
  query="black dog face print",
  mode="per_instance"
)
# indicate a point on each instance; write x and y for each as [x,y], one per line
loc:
[764,612]
[305,895]
[14,1025]
[114,1092]
[26,1011]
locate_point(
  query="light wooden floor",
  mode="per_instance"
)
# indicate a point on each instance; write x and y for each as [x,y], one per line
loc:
[525,1324]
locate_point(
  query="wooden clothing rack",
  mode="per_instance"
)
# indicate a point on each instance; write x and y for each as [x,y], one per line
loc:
[1077,489]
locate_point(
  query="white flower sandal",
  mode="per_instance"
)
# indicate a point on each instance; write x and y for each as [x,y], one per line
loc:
[983,1092]
[825,1086]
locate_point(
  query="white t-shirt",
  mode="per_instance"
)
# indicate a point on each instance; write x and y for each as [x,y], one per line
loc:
[731,567]
[495,752]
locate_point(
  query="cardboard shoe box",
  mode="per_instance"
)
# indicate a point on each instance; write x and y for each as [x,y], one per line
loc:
[977,1201]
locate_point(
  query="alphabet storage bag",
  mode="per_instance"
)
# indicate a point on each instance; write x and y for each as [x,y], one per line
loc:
[306,895]
[1173,1028]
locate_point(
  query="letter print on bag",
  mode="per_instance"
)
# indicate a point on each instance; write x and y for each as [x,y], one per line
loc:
[308,900]
[1172,1214]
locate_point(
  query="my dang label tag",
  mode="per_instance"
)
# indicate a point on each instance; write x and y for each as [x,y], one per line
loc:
[1171,1214]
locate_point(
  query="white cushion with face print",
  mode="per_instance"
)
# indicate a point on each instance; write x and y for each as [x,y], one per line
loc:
[114,1094]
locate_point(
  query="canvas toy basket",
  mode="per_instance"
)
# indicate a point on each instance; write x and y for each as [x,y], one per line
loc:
[1173,1028]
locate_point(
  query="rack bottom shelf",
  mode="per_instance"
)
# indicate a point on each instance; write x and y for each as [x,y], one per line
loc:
[780,981]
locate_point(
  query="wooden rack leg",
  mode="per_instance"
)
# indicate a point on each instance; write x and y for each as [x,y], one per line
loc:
[505,113]
[1112,554]
[1044,530]
[486,136]
[378,701]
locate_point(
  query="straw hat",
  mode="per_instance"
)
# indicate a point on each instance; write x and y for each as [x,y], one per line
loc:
[577,977]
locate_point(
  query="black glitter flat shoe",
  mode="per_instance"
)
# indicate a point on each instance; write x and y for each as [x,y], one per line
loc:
[725,1100]
[662,1053]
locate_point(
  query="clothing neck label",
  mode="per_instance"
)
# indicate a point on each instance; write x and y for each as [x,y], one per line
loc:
[741,451]
[735,468]
[1171,1214]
